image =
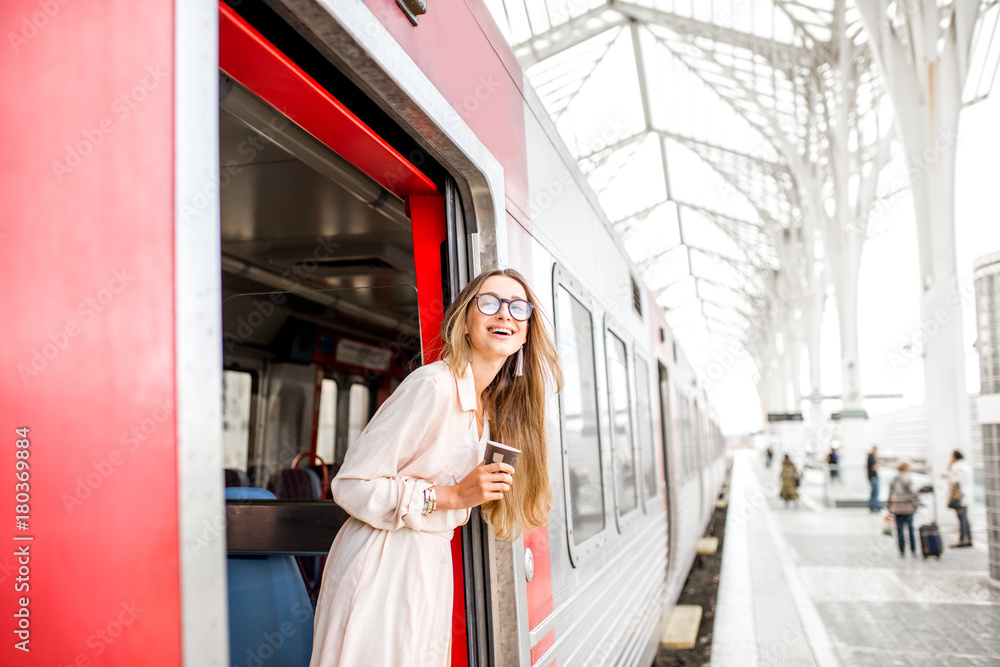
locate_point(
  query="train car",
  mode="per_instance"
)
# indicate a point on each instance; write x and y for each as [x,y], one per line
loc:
[233,230]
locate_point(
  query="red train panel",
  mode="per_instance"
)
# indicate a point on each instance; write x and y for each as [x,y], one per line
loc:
[88,357]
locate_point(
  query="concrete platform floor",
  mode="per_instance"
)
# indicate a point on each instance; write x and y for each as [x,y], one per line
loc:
[811,585]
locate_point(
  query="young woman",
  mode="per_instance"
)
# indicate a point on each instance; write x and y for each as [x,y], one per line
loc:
[416,470]
[959,478]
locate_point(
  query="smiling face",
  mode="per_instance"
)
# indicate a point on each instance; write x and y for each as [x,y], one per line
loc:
[499,335]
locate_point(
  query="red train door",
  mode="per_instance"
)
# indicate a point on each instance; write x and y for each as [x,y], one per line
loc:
[90,393]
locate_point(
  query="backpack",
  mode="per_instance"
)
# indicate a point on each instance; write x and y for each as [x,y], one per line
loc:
[899,502]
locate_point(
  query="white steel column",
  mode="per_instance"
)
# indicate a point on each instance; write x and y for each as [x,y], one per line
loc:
[846,236]
[925,67]
[813,315]
[853,434]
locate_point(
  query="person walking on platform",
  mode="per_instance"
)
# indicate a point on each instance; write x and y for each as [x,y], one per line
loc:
[833,461]
[789,481]
[873,503]
[959,494]
[903,505]
[769,456]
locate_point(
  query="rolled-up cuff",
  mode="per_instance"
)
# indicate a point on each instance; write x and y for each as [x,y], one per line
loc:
[413,516]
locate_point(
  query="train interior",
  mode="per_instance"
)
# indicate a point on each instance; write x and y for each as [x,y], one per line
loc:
[320,323]
[319,299]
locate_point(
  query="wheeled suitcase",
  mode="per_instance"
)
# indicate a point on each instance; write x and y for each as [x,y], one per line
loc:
[930,540]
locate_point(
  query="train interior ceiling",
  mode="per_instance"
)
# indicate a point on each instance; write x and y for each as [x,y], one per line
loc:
[319,304]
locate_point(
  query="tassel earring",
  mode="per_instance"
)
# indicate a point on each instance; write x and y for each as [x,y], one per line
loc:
[519,363]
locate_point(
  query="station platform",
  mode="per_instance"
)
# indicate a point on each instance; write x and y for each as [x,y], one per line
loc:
[809,584]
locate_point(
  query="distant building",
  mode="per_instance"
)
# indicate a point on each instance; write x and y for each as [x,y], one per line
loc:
[986,273]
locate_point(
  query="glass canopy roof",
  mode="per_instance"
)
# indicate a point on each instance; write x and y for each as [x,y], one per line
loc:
[709,128]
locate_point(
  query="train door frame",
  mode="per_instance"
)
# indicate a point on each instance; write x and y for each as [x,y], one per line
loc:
[474,537]
[204,626]
[466,199]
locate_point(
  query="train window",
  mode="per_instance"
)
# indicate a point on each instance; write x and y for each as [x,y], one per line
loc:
[636,298]
[684,444]
[666,422]
[696,450]
[696,453]
[693,439]
[359,414]
[237,396]
[626,492]
[326,438]
[688,443]
[645,427]
[578,403]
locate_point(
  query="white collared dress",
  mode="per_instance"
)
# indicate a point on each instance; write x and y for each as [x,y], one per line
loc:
[386,595]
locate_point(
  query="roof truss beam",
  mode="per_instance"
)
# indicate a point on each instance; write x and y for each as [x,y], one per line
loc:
[566,35]
[779,53]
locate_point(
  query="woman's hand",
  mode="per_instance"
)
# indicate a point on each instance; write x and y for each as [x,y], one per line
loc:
[484,483]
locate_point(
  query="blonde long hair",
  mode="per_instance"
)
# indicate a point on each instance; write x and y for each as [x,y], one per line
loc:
[516,408]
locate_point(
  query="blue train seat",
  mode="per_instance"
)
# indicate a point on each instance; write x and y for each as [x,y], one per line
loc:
[270,613]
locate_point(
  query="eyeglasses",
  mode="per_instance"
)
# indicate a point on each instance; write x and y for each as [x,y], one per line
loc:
[490,304]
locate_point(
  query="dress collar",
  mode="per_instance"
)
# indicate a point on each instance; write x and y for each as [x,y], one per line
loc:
[466,389]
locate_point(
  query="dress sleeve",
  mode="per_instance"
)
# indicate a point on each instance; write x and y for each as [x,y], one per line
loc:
[368,485]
